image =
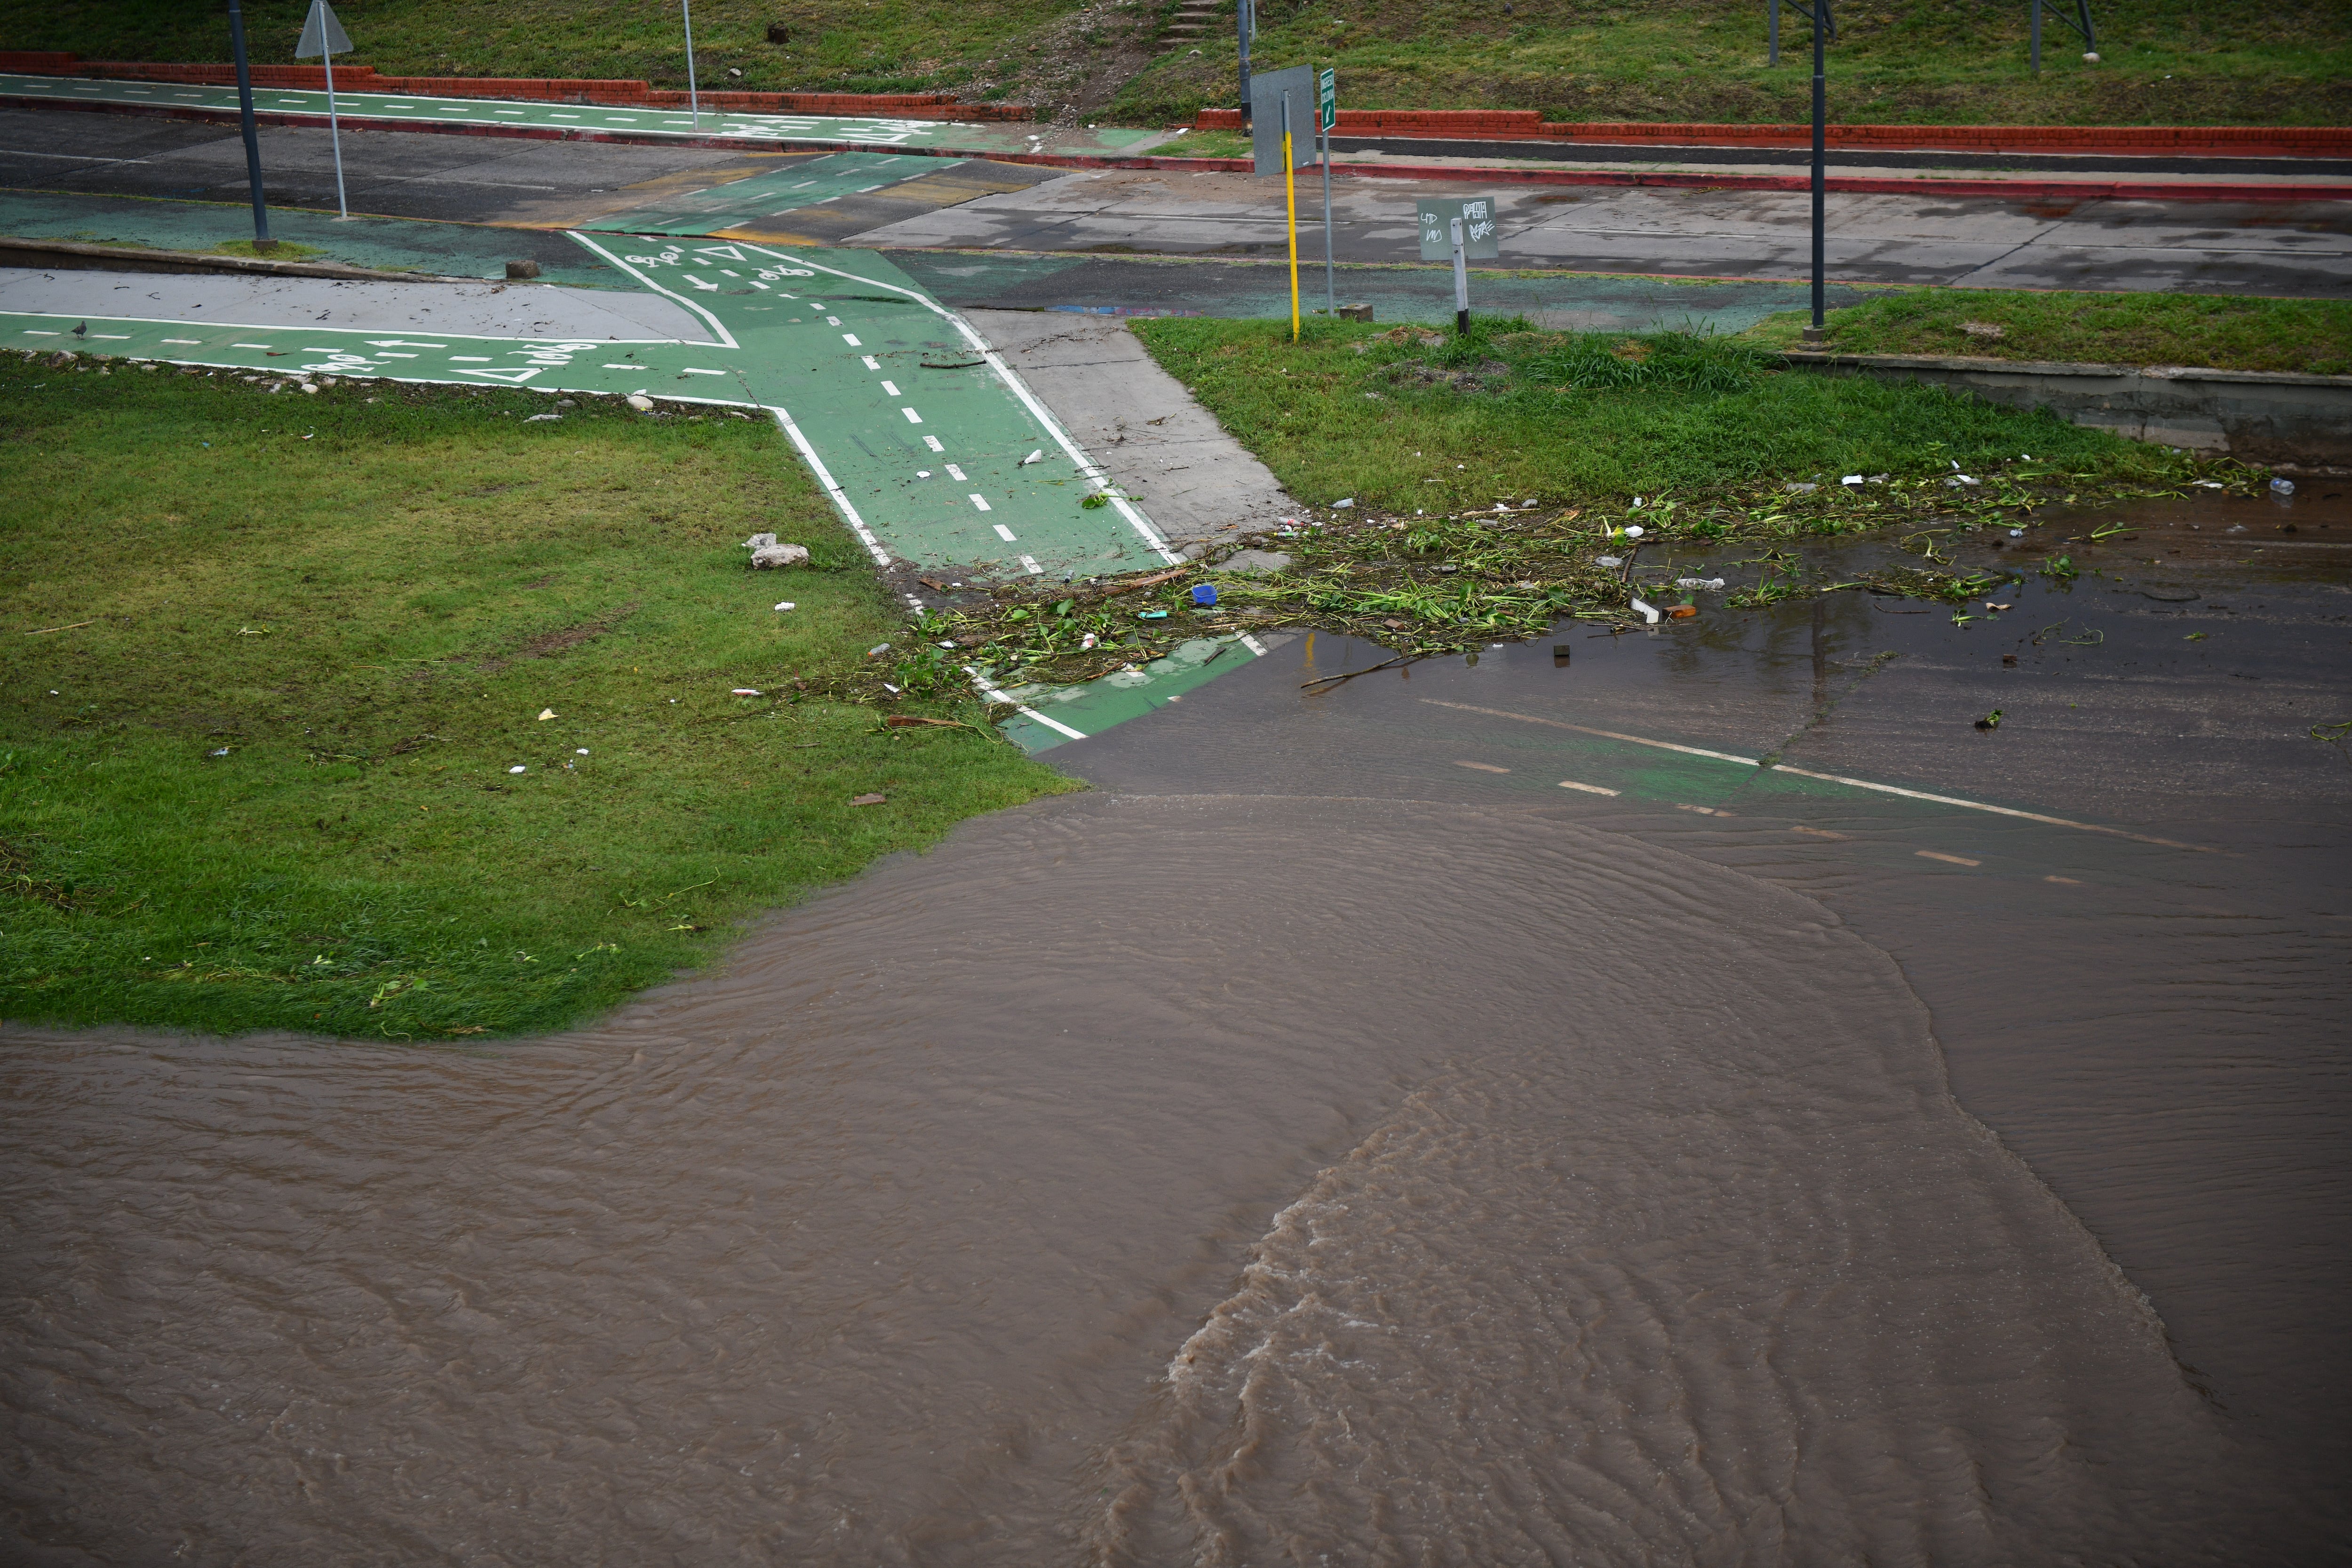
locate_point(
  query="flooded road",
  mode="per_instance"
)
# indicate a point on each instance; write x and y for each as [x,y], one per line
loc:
[1333,1141]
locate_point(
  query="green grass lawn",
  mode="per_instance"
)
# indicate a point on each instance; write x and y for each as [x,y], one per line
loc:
[1957,62]
[1406,419]
[2211,330]
[264,775]
[2186,62]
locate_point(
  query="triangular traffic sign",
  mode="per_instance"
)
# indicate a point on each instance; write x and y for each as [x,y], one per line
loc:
[321,34]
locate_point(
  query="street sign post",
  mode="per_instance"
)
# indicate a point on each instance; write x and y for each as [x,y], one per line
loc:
[1460,230]
[1278,152]
[324,36]
[693,92]
[1267,89]
[1327,116]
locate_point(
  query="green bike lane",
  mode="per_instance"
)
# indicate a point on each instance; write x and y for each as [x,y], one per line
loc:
[505,116]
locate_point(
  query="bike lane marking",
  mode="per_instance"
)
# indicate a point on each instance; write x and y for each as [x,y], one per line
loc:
[927,434]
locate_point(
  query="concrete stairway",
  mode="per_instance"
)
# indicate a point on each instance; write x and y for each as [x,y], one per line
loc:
[1194,20]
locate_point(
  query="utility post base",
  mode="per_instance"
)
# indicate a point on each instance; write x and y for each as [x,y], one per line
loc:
[1462,322]
[1817,335]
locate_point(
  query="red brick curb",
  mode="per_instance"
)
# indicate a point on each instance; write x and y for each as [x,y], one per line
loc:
[2151,141]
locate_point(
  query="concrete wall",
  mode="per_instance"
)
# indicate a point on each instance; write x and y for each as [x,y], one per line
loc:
[2258,417]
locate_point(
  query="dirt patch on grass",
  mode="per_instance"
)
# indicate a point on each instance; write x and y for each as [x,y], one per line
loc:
[549,644]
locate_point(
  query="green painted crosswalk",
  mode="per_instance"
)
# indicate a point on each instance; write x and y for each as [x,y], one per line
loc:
[742,202]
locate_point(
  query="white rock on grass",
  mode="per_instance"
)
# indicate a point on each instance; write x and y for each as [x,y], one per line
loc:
[767,554]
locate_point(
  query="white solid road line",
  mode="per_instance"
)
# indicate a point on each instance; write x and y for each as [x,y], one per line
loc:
[990,691]
[1828,778]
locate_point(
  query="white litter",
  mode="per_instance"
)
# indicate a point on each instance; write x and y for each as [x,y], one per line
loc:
[1648,614]
[515,770]
[1087,641]
[1609,561]
[533,420]
[744,691]
[545,715]
[581,752]
[786,604]
[1634,532]
[1036,456]
[1850,480]
[1698,582]
[1343,505]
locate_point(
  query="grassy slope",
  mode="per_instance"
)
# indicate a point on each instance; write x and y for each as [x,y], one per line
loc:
[369,622]
[847,46]
[1703,419]
[2206,330]
[2191,62]
[1962,61]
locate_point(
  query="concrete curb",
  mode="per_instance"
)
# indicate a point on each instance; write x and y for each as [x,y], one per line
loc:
[2026,190]
[2258,417]
[62,255]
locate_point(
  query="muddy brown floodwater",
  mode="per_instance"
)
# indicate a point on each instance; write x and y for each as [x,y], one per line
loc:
[1330,1141]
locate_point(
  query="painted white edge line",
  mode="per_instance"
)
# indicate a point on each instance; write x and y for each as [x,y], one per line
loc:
[1020,389]
[824,476]
[716,325]
[1586,729]
[1827,778]
[297,328]
[995,694]
[1998,810]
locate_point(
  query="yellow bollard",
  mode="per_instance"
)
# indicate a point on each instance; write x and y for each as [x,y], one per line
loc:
[1290,194]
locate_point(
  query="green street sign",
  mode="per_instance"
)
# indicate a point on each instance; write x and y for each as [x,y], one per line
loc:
[1327,99]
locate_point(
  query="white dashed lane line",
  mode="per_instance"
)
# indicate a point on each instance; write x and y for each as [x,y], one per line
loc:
[1003,532]
[1953,860]
[1589,789]
[912,417]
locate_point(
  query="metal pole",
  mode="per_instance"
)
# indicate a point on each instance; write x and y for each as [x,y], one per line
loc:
[1241,29]
[1821,165]
[1461,284]
[1290,197]
[261,240]
[335,132]
[1772,34]
[2037,37]
[693,97]
[1331,286]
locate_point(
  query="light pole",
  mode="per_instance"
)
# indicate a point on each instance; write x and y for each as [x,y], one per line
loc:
[1244,16]
[261,240]
[1816,332]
